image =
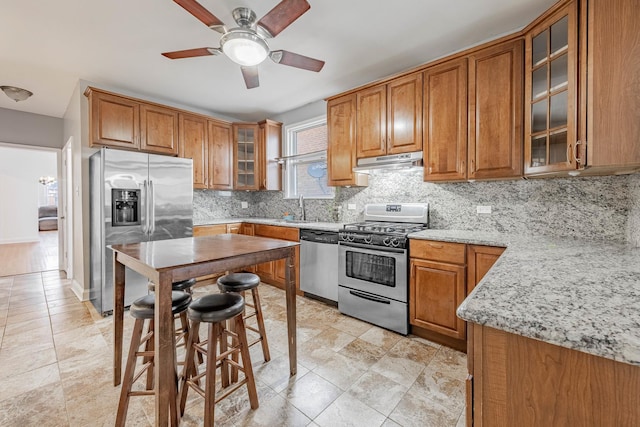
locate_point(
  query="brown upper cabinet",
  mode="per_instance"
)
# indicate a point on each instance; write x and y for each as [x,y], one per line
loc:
[220,153]
[122,122]
[495,111]
[269,147]
[464,113]
[582,92]
[612,51]
[445,121]
[208,143]
[551,92]
[245,142]
[193,143]
[389,117]
[473,115]
[256,147]
[341,144]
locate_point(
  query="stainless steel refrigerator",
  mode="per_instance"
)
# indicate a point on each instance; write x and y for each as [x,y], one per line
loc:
[135,197]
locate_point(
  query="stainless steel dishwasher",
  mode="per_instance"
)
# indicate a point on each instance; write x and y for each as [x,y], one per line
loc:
[319,263]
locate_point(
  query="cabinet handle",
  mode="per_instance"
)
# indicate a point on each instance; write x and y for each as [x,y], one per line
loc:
[433,245]
[575,152]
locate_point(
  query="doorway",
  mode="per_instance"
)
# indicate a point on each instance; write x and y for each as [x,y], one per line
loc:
[29,212]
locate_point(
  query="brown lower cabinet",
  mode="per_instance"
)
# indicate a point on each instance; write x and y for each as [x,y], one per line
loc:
[212,230]
[442,274]
[519,381]
[274,272]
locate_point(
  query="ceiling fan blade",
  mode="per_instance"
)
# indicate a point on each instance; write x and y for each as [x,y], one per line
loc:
[283,15]
[250,75]
[295,60]
[202,14]
[190,53]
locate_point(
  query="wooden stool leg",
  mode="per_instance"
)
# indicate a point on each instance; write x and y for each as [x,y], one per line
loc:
[210,378]
[261,328]
[173,401]
[234,356]
[189,369]
[224,368]
[127,382]
[246,362]
[150,347]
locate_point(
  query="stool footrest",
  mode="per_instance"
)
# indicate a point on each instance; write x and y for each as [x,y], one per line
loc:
[228,390]
[142,393]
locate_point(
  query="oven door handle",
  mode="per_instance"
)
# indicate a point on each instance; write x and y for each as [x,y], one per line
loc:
[373,248]
[369,297]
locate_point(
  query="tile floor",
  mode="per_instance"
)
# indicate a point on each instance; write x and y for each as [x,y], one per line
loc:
[55,368]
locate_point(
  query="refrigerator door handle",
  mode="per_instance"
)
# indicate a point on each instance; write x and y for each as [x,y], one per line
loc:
[152,208]
[145,208]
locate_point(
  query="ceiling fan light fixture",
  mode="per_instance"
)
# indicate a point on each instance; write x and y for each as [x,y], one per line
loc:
[244,47]
[16,93]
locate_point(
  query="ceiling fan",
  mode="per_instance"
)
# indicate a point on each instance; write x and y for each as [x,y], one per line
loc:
[246,44]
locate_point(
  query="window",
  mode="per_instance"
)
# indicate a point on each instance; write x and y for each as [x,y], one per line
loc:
[305,155]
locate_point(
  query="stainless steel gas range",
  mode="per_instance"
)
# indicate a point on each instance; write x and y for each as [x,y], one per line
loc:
[374,264]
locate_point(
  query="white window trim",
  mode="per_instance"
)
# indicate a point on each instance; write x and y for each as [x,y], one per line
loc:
[288,146]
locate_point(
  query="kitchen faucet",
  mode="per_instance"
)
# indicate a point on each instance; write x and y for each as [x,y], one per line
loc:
[301,202]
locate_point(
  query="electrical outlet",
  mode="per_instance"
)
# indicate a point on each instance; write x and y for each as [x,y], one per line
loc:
[351,206]
[244,205]
[483,209]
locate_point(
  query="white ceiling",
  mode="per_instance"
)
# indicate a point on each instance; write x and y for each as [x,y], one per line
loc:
[47,46]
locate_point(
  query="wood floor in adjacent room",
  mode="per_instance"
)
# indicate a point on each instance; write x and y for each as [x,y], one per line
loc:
[32,257]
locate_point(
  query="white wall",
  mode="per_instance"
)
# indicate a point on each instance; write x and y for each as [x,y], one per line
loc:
[20,169]
[73,130]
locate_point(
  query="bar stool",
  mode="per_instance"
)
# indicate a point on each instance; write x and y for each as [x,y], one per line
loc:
[181,285]
[181,333]
[216,309]
[143,309]
[240,282]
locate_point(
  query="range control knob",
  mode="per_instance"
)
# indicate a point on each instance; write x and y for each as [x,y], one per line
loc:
[394,242]
[350,237]
[368,238]
[386,241]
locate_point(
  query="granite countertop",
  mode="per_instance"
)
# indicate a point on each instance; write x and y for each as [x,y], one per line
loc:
[313,225]
[578,294]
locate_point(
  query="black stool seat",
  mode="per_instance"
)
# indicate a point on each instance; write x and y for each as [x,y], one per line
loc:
[216,308]
[143,308]
[238,282]
[182,285]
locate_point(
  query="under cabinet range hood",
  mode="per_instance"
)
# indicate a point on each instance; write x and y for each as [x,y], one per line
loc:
[390,162]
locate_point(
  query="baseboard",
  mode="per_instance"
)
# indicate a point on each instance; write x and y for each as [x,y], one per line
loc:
[21,240]
[78,289]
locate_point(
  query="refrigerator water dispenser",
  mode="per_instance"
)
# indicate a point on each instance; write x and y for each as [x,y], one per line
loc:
[125,207]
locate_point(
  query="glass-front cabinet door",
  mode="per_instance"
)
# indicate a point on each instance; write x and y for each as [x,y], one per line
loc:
[245,147]
[551,102]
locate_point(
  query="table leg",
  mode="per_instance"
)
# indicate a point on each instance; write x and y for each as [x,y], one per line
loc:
[290,292]
[166,411]
[118,317]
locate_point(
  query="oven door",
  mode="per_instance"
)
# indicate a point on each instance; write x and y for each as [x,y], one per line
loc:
[380,272]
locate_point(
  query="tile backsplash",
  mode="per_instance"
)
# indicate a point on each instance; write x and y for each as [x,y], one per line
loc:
[591,207]
[633,225]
